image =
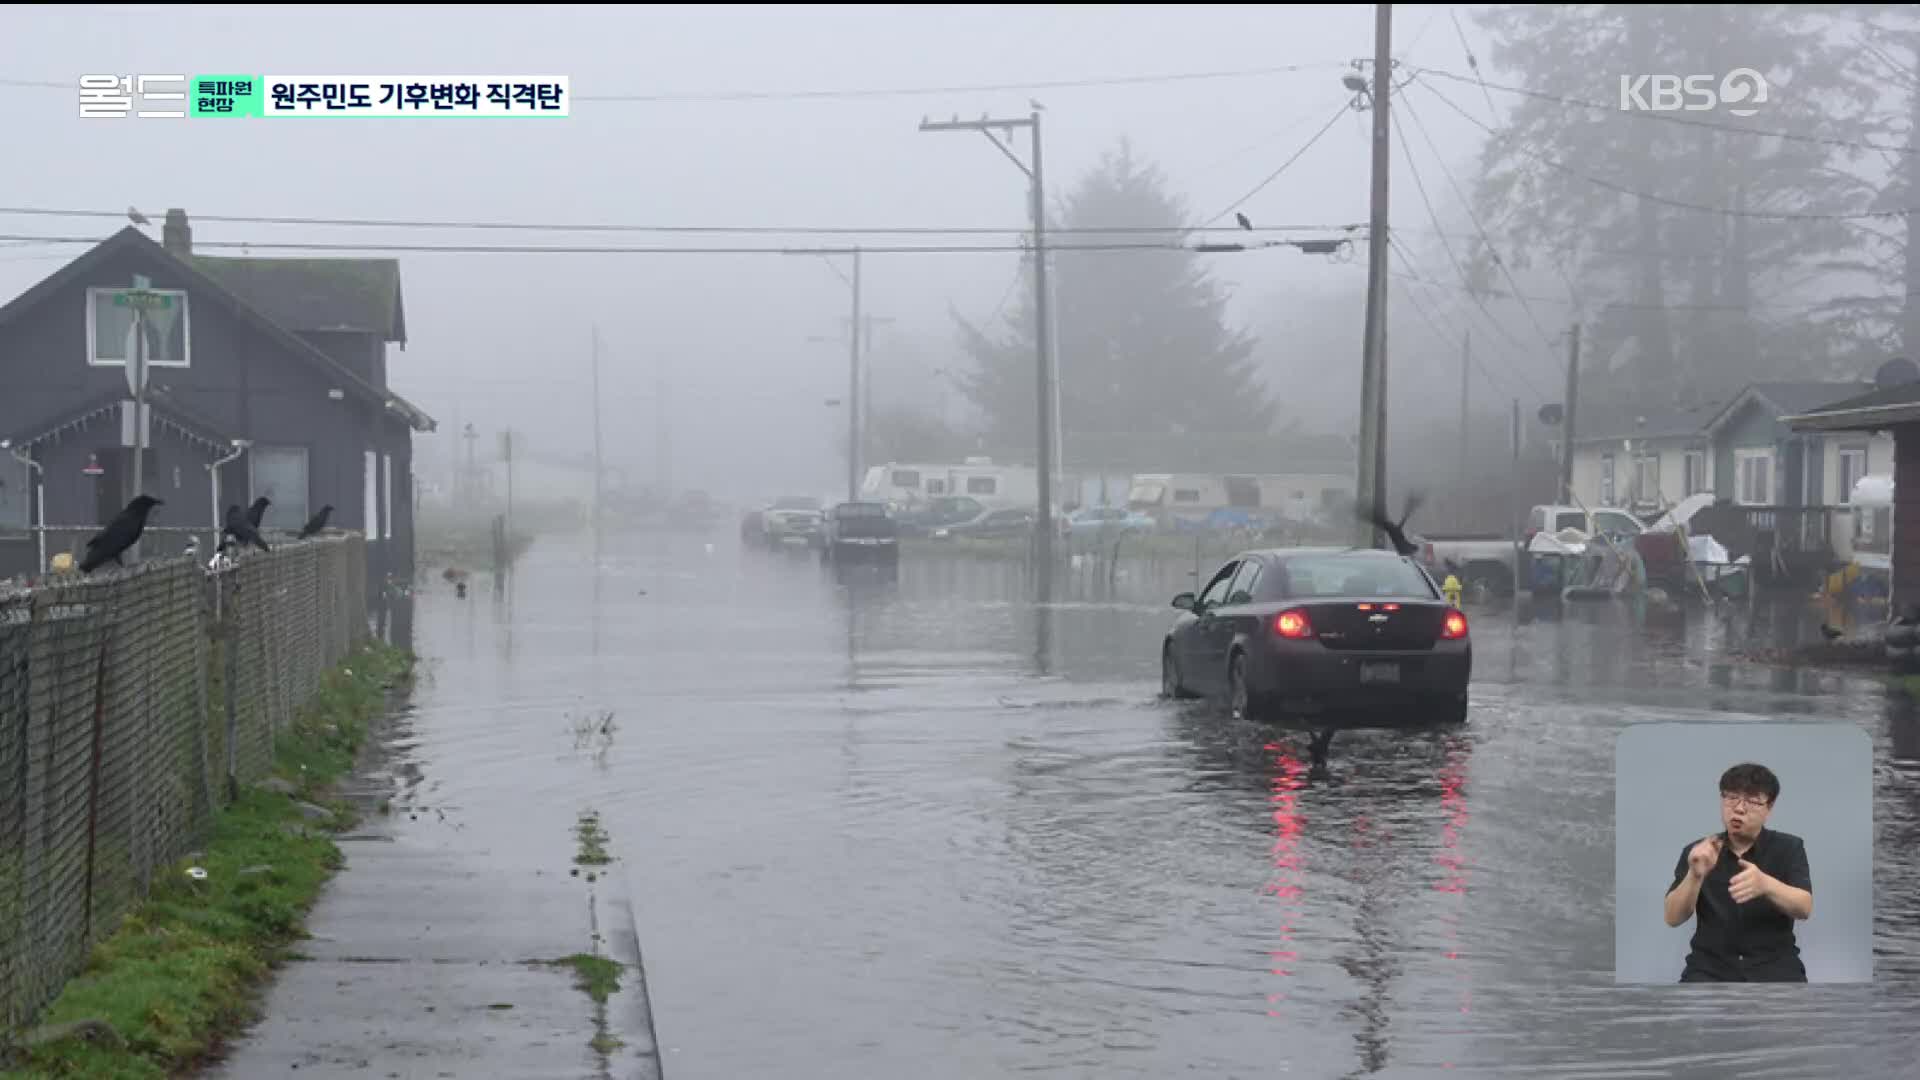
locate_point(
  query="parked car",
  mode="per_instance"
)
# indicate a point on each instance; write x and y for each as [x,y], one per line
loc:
[1018,521]
[938,513]
[862,533]
[1105,522]
[793,521]
[1320,629]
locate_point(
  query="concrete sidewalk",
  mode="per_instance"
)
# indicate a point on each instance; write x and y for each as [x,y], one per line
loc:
[428,959]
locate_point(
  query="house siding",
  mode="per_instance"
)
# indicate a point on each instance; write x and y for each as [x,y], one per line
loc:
[242,380]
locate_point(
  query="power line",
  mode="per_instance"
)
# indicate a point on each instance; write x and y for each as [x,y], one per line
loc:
[1770,215]
[555,249]
[1393,245]
[772,230]
[1666,117]
[1275,174]
[978,88]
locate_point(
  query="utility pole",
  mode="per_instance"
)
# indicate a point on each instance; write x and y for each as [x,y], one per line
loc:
[1373,372]
[1043,328]
[599,471]
[1513,497]
[1570,407]
[1466,362]
[506,451]
[854,408]
[663,439]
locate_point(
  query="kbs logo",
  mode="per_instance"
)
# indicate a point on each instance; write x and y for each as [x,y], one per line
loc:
[1738,92]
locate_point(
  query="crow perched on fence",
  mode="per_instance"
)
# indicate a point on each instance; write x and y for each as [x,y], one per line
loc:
[316,523]
[1396,530]
[258,511]
[241,530]
[107,545]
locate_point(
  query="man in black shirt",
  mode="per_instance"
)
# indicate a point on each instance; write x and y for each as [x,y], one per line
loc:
[1745,887]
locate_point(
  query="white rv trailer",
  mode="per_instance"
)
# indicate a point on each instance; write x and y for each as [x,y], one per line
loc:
[1295,496]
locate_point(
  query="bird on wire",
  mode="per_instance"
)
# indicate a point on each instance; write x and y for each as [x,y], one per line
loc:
[110,543]
[1244,223]
[137,217]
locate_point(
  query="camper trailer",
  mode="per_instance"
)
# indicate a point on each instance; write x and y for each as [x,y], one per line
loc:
[995,486]
[1193,497]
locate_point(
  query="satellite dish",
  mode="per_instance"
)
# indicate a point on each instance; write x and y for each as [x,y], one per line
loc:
[1898,371]
[1551,414]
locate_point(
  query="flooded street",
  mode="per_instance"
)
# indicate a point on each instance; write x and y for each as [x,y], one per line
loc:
[927,829]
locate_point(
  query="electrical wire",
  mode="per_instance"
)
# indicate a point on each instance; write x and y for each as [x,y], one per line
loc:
[1769,215]
[556,249]
[1275,174]
[1664,117]
[775,230]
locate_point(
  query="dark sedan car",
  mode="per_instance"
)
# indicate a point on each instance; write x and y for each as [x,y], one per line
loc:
[1316,630]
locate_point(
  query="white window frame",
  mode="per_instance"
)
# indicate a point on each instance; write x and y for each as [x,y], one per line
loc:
[370,525]
[96,295]
[1606,480]
[306,474]
[1694,469]
[1845,494]
[1642,490]
[1742,456]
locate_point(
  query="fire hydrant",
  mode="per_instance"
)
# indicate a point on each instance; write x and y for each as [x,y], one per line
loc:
[1453,590]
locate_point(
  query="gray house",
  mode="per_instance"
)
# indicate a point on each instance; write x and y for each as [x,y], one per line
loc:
[1760,460]
[285,355]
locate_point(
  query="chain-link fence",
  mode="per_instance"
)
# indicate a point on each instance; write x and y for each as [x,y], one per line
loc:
[132,705]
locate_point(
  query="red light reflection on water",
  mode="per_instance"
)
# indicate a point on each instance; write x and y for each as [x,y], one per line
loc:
[1285,884]
[1453,877]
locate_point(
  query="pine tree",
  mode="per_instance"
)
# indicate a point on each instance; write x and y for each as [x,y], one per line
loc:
[1143,344]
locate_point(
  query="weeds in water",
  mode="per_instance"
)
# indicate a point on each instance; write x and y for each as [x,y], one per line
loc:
[592,840]
[595,976]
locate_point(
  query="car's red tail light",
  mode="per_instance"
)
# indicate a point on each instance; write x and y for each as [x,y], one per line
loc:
[1454,627]
[1292,624]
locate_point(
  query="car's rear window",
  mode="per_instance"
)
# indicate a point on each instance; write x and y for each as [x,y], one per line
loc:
[1350,575]
[856,511]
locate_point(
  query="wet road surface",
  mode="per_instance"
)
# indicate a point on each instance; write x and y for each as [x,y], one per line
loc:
[926,828]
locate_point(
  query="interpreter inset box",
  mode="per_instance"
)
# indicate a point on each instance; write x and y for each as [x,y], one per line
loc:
[1743,853]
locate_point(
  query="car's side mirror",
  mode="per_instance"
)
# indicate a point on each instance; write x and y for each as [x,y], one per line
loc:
[1184,601]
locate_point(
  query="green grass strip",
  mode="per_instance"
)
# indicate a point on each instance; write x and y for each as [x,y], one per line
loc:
[185,969]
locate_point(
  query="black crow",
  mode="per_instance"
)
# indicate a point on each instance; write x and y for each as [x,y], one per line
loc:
[242,530]
[1244,223]
[258,511]
[107,545]
[316,523]
[1396,530]
[1831,633]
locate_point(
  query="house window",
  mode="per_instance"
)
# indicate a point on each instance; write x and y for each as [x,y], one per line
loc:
[1696,466]
[386,496]
[981,485]
[1606,479]
[16,489]
[371,503]
[280,473]
[1753,471]
[110,331]
[1646,479]
[1853,466]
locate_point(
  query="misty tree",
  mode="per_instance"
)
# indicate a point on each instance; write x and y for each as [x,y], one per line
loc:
[907,433]
[1716,279]
[1143,344]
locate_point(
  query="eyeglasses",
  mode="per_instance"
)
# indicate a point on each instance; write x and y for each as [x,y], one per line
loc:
[1745,802]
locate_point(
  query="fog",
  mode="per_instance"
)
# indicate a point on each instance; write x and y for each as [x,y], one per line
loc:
[711,117]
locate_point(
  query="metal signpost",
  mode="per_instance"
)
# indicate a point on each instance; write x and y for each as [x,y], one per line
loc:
[145,304]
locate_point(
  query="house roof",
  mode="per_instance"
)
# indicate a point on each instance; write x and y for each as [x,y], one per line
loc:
[1619,423]
[1785,399]
[199,280]
[317,294]
[1873,410]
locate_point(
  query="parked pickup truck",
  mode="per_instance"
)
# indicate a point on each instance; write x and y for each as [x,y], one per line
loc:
[1487,558]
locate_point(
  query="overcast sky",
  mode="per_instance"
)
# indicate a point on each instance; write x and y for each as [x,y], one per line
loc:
[503,338]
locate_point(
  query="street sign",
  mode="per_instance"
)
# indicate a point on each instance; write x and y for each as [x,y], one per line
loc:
[142,299]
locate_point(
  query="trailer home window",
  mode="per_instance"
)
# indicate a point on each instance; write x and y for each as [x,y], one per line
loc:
[1186,495]
[906,478]
[981,485]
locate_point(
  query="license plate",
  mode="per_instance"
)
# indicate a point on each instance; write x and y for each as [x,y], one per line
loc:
[1380,673]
